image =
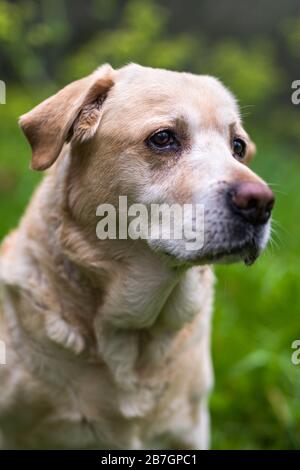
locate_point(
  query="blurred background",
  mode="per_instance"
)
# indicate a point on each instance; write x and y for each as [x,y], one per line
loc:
[254,48]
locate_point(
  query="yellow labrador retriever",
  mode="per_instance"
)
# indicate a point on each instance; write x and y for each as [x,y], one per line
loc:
[108,341]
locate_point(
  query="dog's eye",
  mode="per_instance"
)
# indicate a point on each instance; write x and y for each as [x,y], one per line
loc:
[239,148]
[164,139]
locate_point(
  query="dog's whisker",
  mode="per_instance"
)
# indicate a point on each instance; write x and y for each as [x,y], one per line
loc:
[278,226]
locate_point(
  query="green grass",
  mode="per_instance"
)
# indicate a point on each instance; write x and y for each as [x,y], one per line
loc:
[255,403]
[16,180]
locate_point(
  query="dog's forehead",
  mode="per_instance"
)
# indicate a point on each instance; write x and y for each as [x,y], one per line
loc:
[146,93]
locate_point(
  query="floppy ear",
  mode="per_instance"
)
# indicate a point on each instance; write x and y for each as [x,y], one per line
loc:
[73,113]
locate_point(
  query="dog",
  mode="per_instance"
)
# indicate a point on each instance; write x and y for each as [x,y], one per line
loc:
[108,341]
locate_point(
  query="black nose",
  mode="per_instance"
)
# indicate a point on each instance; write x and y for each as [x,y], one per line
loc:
[253,201]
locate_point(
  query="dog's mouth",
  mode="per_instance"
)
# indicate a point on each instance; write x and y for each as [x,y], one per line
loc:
[238,246]
[223,237]
[247,251]
[232,240]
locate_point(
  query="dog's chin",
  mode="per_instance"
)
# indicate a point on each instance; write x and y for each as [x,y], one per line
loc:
[238,246]
[246,251]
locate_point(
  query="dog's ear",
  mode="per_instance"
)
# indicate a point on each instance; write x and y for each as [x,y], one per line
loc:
[251,150]
[73,113]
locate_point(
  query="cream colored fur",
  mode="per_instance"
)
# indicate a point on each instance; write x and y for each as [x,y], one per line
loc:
[108,342]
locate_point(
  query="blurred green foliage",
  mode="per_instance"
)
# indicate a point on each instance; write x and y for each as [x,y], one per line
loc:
[291,31]
[140,38]
[44,45]
[251,70]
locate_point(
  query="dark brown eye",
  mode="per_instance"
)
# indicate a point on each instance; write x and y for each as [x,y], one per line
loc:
[239,148]
[162,140]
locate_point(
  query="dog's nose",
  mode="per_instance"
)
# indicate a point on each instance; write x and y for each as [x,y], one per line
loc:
[253,201]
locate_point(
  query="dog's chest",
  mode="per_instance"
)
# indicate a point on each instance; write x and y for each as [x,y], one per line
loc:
[145,378]
[90,412]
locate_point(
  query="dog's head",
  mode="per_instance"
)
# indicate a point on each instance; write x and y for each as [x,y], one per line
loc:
[159,137]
